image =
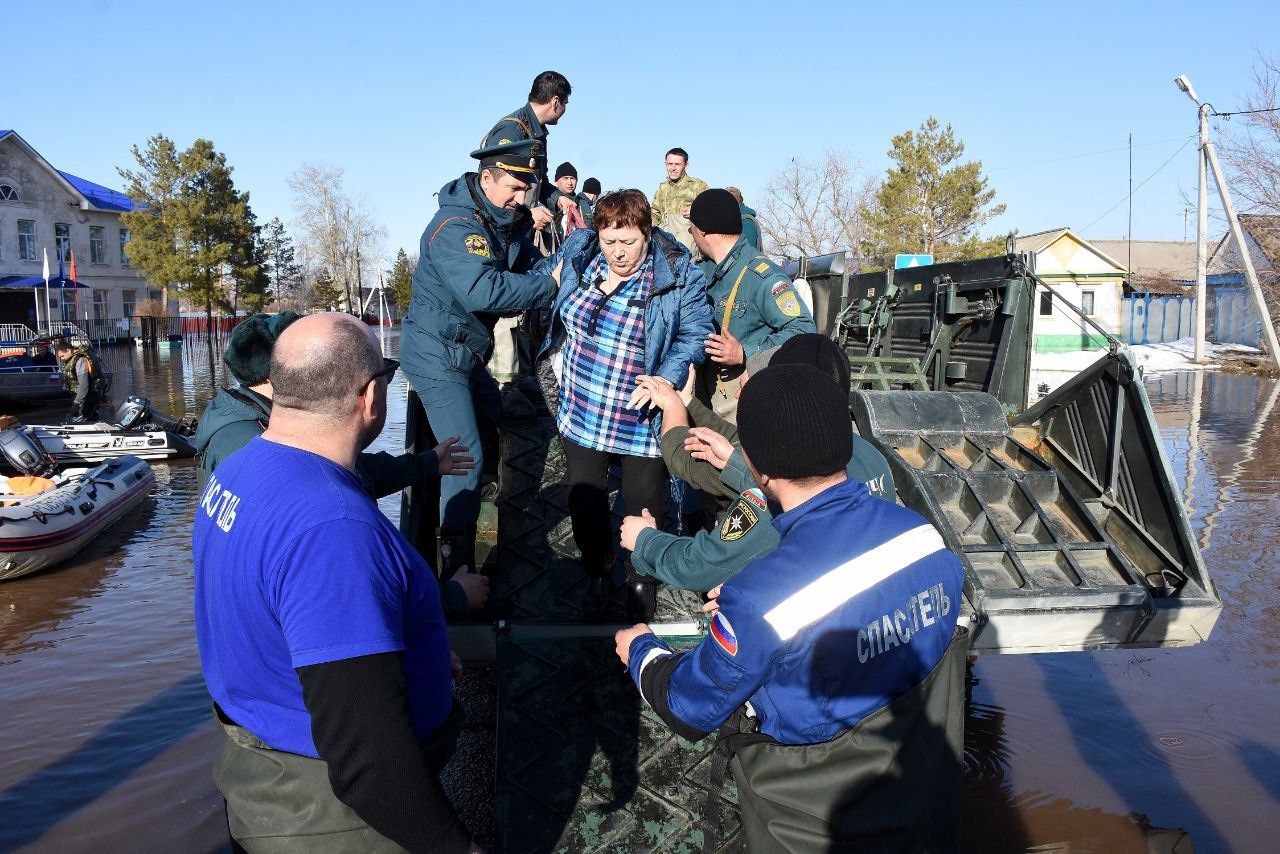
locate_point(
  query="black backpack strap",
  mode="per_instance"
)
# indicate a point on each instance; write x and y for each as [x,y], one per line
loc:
[730,738]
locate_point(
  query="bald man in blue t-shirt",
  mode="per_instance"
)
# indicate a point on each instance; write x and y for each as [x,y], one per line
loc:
[321,634]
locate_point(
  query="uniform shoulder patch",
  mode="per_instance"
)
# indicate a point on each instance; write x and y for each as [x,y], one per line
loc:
[787,304]
[722,633]
[741,519]
[756,495]
[762,267]
[478,244]
[779,288]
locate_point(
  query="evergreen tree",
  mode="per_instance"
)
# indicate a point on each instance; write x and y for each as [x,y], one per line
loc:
[281,261]
[191,222]
[930,202]
[402,280]
[251,268]
[325,292]
[153,224]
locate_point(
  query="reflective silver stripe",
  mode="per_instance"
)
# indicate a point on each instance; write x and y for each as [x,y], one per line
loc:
[649,658]
[822,596]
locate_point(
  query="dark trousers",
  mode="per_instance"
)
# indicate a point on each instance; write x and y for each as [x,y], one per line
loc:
[644,481]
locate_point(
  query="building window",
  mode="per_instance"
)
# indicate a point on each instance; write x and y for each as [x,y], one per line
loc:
[156,296]
[99,305]
[130,301]
[7,193]
[62,238]
[1086,303]
[124,241]
[1046,304]
[97,247]
[27,239]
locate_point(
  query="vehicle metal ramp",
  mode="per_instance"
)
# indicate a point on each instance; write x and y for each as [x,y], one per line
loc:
[1070,530]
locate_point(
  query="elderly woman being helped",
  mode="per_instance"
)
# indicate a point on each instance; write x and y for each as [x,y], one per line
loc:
[631,304]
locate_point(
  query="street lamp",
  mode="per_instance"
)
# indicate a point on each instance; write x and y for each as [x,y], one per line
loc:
[1209,160]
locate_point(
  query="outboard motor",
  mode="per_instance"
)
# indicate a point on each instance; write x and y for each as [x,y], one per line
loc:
[133,413]
[25,453]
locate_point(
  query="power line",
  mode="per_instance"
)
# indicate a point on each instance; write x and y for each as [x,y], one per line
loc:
[1087,154]
[1140,186]
[1214,112]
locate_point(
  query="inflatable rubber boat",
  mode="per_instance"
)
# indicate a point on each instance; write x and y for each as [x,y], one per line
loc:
[47,516]
[138,431]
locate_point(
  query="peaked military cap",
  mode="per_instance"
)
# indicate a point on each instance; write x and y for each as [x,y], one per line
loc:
[519,157]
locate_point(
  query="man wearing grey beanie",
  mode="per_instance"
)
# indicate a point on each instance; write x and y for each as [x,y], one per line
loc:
[854,611]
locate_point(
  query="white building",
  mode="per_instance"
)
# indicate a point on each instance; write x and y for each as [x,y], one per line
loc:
[1086,277]
[43,208]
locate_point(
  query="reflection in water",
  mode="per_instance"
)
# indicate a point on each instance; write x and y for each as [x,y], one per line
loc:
[108,743]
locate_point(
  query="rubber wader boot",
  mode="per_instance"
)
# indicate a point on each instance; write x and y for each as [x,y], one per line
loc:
[642,595]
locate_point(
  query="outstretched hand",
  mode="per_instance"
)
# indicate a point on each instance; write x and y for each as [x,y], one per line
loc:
[707,445]
[633,525]
[453,459]
[474,585]
[622,640]
[643,396]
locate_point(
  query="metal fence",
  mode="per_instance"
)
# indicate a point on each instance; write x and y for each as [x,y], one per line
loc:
[1235,319]
[1156,319]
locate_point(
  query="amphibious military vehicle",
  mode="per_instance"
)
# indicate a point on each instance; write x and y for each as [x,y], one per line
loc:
[1064,512]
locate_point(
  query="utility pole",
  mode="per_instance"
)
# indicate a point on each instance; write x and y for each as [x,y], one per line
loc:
[1202,228]
[1209,157]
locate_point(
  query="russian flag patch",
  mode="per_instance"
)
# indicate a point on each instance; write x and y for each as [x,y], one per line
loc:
[722,633]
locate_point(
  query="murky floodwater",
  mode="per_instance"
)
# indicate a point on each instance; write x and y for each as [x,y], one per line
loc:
[107,742]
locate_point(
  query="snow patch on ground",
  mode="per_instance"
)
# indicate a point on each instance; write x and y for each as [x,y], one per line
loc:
[1050,370]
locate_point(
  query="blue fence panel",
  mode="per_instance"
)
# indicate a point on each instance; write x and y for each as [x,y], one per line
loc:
[1146,319]
[1235,320]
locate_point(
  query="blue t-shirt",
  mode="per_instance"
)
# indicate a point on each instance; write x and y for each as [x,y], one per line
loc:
[294,566]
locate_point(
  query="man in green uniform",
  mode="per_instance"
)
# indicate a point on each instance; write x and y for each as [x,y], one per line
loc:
[744,531]
[548,100]
[82,375]
[753,303]
[673,197]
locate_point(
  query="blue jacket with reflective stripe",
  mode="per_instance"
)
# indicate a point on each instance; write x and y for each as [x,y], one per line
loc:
[854,608]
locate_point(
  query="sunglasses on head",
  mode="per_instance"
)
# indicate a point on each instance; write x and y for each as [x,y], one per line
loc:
[389,367]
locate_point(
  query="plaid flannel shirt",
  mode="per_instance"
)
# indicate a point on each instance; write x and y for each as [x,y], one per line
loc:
[603,354]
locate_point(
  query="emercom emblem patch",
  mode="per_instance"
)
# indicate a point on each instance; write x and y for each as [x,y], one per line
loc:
[741,519]
[478,244]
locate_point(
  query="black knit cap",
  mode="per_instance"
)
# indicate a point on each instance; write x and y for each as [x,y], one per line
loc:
[248,355]
[566,169]
[591,185]
[793,422]
[817,350]
[716,212]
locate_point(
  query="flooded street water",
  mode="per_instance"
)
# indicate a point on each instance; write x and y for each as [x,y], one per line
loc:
[108,743]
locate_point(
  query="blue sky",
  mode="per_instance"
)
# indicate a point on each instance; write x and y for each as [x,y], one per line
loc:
[398,93]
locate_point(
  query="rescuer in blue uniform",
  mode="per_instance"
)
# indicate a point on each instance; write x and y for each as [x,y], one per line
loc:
[855,607]
[473,266]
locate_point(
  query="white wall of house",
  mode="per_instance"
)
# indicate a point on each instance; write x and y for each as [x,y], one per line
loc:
[1089,281]
[31,223]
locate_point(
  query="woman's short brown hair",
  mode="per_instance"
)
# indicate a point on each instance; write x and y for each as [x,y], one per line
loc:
[623,209]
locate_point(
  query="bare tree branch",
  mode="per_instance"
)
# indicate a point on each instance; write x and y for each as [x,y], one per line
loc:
[337,230]
[815,208]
